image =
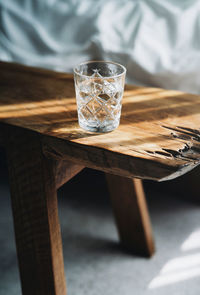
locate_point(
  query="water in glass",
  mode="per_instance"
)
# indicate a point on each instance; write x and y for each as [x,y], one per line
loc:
[99,103]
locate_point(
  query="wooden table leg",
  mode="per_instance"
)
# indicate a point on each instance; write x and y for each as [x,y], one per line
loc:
[35,212]
[131,214]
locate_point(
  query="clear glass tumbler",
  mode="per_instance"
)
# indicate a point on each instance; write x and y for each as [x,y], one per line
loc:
[99,89]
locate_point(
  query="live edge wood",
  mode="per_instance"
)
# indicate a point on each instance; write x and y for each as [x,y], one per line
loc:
[35,212]
[158,137]
[131,214]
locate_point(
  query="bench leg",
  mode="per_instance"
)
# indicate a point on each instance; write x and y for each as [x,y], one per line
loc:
[35,213]
[131,214]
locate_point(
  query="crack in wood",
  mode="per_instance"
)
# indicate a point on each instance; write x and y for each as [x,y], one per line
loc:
[196,131]
[191,149]
[173,153]
[184,133]
[163,153]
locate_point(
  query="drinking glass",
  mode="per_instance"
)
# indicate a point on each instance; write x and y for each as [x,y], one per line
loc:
[99,89]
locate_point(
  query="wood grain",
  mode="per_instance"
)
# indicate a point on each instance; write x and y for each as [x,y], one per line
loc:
[35,212]
[158,138]
[131,214]
[64,171]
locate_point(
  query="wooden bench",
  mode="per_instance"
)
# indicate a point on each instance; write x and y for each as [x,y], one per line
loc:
[158,139]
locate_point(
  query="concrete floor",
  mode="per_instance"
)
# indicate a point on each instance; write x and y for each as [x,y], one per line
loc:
[95,264]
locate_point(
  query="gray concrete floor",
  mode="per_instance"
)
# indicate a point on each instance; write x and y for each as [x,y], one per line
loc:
[95,264]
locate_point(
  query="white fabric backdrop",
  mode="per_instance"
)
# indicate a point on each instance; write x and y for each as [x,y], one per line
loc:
[157,40]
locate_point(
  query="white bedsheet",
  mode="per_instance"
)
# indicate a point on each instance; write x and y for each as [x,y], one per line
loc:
[157,40]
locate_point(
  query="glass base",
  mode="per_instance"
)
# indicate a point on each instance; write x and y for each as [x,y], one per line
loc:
[99,129]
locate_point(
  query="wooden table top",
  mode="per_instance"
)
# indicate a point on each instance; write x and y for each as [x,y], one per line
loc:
[158,137]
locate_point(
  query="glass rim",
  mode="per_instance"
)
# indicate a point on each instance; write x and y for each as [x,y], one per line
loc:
[100,61]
